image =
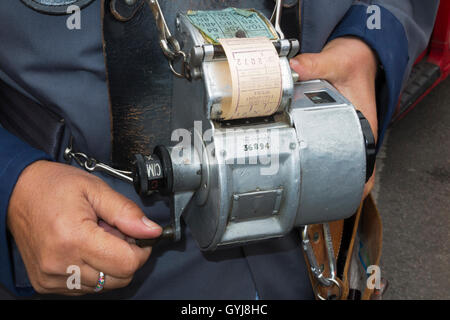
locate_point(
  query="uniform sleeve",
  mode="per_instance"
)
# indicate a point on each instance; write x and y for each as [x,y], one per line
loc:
[15,156]
[399,35]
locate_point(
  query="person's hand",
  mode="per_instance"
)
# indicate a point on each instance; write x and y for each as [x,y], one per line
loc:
[351,66]
[61,216]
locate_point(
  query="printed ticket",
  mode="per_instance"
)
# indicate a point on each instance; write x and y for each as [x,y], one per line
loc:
[256,78]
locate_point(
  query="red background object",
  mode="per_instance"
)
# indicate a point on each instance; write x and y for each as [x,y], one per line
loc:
[438,51]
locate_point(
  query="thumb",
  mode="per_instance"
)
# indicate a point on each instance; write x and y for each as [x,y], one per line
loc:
[311,66]
[122,213]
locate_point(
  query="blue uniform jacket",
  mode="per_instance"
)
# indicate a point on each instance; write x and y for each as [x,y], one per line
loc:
[64,70]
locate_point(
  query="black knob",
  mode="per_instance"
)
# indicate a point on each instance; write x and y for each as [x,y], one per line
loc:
[148,175]
[153,173]
[371,147]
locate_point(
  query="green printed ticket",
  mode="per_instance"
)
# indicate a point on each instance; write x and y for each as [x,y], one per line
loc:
[225,23]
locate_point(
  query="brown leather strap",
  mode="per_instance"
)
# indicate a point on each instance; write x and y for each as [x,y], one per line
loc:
[367,224]
[317,238]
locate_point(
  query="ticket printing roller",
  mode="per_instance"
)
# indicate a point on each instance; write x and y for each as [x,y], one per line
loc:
[256,177]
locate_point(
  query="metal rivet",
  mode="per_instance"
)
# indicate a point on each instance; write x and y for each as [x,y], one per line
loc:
[130,2]
[316,237]
[240,34]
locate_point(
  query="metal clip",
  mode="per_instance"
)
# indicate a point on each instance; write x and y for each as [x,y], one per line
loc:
[170,46]
[315,268]
[276,18]
[92,165]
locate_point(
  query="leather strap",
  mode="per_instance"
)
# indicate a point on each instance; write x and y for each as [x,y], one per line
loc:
[366,223]
[125,12]
[317,239]
[138,82]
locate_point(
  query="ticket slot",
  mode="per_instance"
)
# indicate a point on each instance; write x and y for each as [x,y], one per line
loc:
[209,52]
[219,52]
[246,122]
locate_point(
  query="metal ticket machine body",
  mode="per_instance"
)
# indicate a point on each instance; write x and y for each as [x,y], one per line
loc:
[244,180]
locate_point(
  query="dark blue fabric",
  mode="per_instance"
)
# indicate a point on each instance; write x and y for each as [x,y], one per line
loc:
[391,45]
[15,156]
[38,59]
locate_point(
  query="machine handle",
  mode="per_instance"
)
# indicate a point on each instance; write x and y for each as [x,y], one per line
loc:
[167,234]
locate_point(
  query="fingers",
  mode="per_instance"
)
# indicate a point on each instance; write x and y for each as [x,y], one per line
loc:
[90,276]
[86,282]
[312,66]
[113,256]
[58,284]
[121,213]
[102,224]
[66,291]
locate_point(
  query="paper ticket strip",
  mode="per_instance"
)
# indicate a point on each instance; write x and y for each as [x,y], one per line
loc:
[256,78]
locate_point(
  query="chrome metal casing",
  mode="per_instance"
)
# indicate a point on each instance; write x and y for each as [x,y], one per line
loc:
[246,181]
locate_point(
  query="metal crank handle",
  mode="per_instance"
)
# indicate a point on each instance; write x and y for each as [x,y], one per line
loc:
[167,234]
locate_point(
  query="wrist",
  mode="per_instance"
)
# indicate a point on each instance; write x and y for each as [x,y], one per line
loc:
[17,200]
